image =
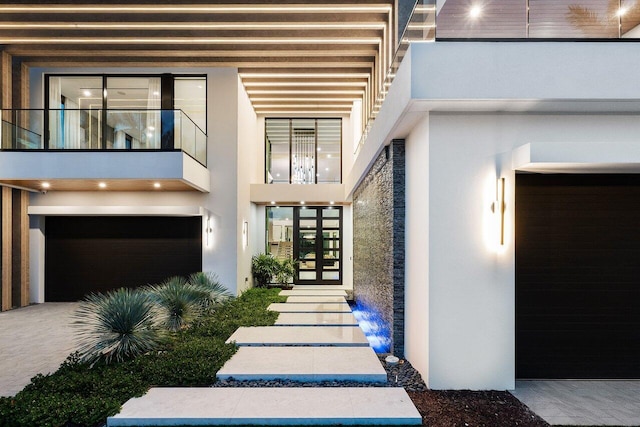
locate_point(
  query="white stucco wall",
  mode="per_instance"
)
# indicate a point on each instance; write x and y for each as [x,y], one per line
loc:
[249,155]
[468,279]
[416,296]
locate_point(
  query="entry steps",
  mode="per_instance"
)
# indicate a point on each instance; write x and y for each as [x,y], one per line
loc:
[304,364]
[316,319]
[313,293]
[272,406]
[339,336]
[310,307]
[316,299]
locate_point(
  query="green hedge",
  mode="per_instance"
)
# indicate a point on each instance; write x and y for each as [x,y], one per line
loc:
[77,394]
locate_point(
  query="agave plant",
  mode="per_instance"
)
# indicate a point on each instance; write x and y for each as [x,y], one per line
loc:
[213,292]
[115,326]
[179,302]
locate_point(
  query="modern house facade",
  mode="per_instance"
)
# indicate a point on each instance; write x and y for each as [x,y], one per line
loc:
[468,169]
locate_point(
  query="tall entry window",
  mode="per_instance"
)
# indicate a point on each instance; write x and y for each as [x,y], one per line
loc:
[303,151]
[312,235]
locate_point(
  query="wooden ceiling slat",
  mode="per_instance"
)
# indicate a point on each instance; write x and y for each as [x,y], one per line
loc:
[299,58]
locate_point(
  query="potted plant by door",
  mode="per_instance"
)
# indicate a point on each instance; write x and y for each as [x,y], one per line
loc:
[286,271]
[263,268]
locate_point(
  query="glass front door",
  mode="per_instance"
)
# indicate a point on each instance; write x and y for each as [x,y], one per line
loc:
[317,244]
[311,235]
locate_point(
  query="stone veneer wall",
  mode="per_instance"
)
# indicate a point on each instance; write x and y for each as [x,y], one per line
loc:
[378,242]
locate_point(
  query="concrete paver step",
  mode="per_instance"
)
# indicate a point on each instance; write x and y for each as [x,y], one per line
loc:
[304,364]
[316,319]
[311,292]
[332,307]
[274,406]
[319,287]
[350,336]
[315,299]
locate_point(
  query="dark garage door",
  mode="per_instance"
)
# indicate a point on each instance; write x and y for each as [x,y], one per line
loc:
[96,254]
[578,276]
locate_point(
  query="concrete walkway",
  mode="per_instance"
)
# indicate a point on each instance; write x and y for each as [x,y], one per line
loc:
[582,402]
[324,352]
[33,340]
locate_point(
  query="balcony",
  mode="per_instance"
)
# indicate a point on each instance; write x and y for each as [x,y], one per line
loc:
[122,150]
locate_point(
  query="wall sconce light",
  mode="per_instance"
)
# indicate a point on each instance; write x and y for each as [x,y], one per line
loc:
[498,206]
[245,234]
[209,232]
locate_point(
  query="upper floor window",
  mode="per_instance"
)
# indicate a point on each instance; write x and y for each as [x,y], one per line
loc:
[572,19]
[142,112]
[303,151]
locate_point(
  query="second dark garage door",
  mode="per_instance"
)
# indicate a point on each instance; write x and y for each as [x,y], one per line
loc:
[578,276]
[97,254]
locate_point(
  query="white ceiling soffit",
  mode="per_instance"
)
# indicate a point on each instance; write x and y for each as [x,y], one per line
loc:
[583,157]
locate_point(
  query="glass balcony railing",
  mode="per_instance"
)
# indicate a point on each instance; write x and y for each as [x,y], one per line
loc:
[99,130]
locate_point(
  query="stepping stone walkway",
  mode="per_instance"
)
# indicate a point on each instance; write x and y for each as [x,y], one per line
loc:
[315,338]
[311,307]
[316,319]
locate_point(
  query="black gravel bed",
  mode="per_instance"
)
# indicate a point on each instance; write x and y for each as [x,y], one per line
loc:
[401,374]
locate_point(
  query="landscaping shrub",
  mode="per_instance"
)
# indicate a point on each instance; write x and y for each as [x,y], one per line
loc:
[263,268]
[86,396]
[179,302]
[117,325]
[214,293]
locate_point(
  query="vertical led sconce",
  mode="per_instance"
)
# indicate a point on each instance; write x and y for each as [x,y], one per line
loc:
[498,207]
[245,234]
[209,232]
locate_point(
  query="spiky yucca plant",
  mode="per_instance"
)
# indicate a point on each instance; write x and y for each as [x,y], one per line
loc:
[213,292]
[115,326]
[179,302]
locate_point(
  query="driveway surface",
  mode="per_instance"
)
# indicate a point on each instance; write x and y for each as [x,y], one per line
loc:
[33,340]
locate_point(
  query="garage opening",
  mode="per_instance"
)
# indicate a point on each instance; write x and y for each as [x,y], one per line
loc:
[578,276]
[97,254]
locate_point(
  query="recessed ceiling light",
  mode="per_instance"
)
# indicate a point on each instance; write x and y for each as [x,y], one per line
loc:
[332,202]
[157,185]
[199,86]
[327,169]
[623,10]
[102,184]
[273,203]
[328,156]
[156,93]
[319,149]
[46,185]
[86,93]
[475,11]
[277,174]
[151,128]
[302,203]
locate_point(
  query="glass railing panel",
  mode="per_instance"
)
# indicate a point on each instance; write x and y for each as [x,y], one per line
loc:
[133,129]
[71,129]
[89,129]
[21,129]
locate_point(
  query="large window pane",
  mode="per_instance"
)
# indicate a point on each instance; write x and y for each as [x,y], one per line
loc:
[277,148]
[280,232]
[135,123]
[303,151]
[75,104]
[329,146]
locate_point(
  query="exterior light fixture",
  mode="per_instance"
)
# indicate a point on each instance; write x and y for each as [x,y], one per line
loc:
[475,11]
[245,234]
[209,232]
[46,185]
[102,184]
[498,206]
